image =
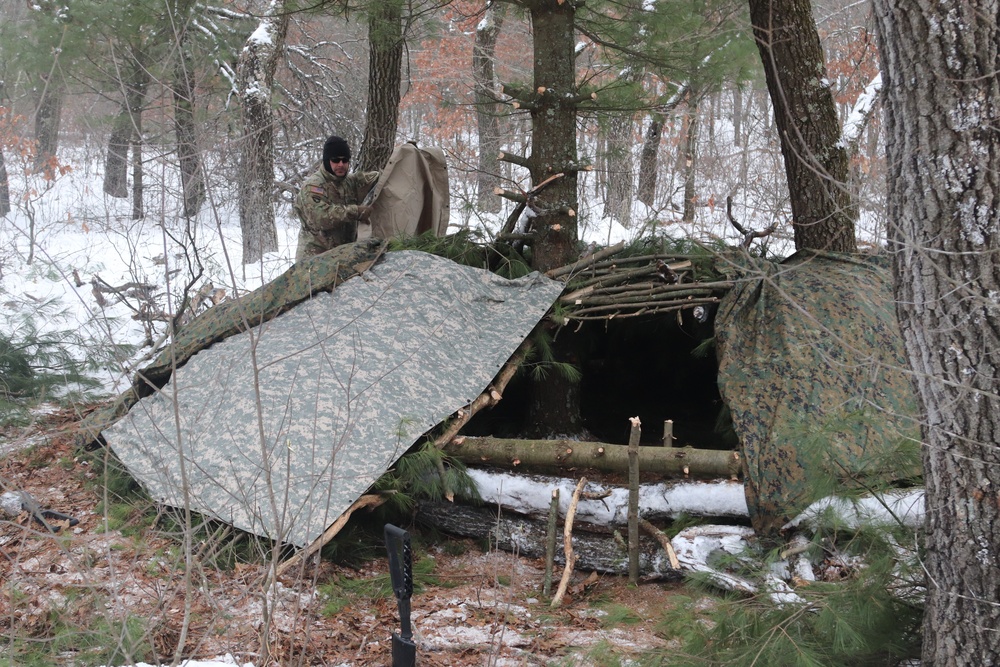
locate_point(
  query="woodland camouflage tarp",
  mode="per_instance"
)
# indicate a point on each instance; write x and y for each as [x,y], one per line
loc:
[279,427]
[812,369]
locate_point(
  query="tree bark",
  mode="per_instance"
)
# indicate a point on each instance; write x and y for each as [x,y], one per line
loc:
[185,127]
[4,186]
[126,126]
[554,406]
[385,62]
[816,165]
[48,118]
[602,456]
[690,160]
[942,97]
[487,107]
[255,70]
[595,551]
[649,161]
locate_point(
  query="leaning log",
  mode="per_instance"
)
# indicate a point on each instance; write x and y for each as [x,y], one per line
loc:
[509,531]
[565,454]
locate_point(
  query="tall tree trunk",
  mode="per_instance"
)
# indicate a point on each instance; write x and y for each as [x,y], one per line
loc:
[385,63]
[4,186]
[649,160]
[256,183]
[555,402]
[138,209]
[126,125]
[690,160]
[48,118]
[621,176]
[487,107]
[816,166]
[941,61]
[185,127]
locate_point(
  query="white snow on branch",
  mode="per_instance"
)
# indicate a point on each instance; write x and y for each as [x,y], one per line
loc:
[855,121]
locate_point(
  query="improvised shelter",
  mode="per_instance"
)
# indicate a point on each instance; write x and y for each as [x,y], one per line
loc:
[279,428]
[286,405]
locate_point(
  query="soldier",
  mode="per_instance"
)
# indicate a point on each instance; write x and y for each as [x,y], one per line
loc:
[329,203]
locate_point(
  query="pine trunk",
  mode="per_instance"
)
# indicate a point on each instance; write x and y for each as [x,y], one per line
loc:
[385,62]
[185,128]
[48,118]
[256,183]
[125,127]
[487,107]
[940,64]
[816,165]
[690,161]
[555,400]
[649,161]
[4,186]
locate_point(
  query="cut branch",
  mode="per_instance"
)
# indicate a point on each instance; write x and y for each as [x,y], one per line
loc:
[562,454]
[489,398]
[568,543]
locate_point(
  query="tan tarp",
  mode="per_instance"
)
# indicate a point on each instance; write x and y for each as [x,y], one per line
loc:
[411,196]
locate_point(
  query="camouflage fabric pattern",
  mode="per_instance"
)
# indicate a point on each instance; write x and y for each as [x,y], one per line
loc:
[327,207]
[810,350]
[304,279]
[282,427]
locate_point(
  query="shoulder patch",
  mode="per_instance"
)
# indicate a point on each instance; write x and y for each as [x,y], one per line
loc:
[316,190]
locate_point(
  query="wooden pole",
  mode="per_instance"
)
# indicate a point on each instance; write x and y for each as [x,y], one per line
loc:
[668,433]
[550,542]
[567,454]
[568,543]
[635,433]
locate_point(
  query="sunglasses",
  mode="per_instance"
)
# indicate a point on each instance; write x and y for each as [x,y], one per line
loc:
[338,160]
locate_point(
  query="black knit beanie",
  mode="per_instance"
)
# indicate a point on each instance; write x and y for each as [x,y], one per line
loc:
[335,147]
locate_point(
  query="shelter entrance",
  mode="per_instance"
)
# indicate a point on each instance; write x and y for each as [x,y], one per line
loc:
[644,366]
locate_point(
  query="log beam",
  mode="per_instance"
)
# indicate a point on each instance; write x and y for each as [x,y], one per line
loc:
[564,454]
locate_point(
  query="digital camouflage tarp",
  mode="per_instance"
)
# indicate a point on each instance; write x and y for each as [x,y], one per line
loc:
[279,425]
[812,369]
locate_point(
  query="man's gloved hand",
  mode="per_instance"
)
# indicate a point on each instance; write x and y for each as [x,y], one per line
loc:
[364,212]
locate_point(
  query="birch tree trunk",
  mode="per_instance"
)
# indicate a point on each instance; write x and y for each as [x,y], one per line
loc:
[255,71]
[487,107]
[823,211]
[941,77]
[385,62]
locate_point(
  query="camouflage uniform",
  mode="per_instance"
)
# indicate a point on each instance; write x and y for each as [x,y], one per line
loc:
[327,206]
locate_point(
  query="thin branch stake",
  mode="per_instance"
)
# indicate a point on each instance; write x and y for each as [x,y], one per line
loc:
[568,543]
[550,542]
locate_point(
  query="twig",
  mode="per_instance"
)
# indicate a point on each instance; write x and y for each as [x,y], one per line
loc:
[490,397]
[568,543]
[331,532]
[663,540]
[586,261]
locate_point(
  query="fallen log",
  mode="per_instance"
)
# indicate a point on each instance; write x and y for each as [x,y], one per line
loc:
[564,454]
[508,531]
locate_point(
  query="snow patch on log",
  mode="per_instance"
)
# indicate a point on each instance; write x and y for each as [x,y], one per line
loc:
[532,494]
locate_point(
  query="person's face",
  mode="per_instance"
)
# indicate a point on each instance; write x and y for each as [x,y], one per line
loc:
[340,165]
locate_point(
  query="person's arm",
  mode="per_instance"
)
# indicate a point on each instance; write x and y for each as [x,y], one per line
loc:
[319,214]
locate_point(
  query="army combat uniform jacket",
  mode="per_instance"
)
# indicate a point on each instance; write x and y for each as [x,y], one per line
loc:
[327,207]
